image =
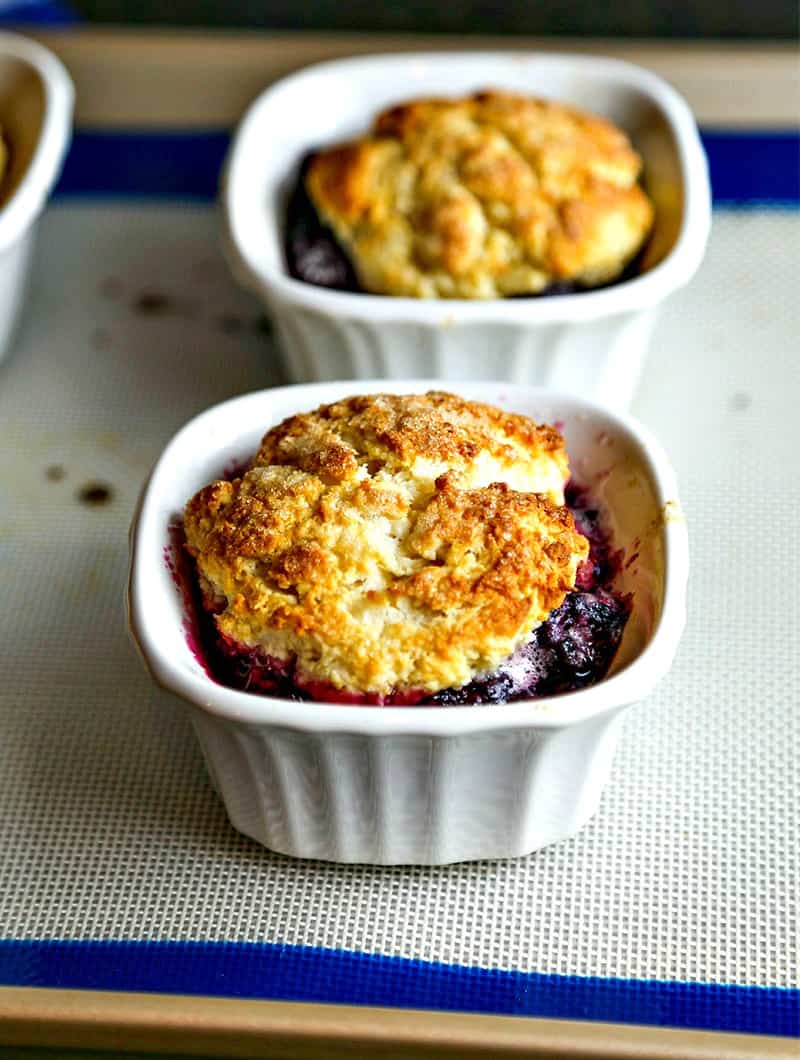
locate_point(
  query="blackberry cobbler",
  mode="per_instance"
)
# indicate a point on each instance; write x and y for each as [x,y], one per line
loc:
[494,195]
[405,549]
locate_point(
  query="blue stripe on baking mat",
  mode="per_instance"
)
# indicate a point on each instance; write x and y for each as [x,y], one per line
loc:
[304,973]
[747,168]
[754,168]
[161,165]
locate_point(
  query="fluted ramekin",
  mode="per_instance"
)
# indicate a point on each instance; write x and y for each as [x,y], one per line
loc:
[423,785]
[36,98]
[592,343]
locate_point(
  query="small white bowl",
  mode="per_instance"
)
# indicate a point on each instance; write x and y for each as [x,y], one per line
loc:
[423,785]
[36,97]
[592,343]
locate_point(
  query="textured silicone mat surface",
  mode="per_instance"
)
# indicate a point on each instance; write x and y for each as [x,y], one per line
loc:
[108,825]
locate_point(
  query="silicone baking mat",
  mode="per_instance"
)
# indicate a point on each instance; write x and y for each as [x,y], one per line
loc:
[677,904]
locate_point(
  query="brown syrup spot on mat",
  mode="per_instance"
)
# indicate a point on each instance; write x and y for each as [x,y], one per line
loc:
[94,494]
[152,303]
[55,473]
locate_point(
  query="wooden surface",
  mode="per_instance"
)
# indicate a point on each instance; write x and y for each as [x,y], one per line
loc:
[233,1028]
[206,80]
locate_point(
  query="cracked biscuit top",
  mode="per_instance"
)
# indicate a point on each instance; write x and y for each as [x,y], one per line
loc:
[488,196]
[388,543]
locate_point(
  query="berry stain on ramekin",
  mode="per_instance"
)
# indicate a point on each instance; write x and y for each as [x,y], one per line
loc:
[179,565]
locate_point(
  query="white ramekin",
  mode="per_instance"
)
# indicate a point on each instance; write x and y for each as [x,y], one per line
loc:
[592,344]
[424,785]
[36,97]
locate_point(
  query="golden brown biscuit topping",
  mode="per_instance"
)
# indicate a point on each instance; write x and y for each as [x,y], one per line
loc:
[493,195]
[390,542]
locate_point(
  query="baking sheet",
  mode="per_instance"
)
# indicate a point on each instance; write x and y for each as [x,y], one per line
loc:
[676,905]
[108,825]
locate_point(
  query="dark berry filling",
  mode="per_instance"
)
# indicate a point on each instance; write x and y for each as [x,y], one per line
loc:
[572,649]
[314,255]
[312,251]
[250,670]
[576,645]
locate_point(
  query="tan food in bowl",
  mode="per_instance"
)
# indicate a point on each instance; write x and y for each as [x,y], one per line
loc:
[488,196]
[390,544]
